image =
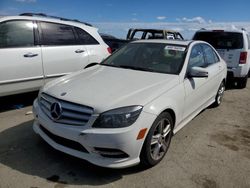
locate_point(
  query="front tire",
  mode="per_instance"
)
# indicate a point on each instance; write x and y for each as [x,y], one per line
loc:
[158,140]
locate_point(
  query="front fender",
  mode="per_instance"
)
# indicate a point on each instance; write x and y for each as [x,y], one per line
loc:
[173,99]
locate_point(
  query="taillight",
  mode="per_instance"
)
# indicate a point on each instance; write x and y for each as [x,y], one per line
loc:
[109,50]
[243,58]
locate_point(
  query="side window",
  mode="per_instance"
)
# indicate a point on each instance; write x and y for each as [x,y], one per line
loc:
[159,35]
[84,37]
[137,35]
[148,35]
[57,34]
[196,58]
[16,34]
[209,54]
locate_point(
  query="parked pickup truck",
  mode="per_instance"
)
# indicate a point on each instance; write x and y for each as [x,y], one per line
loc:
[137,34]
[134,34]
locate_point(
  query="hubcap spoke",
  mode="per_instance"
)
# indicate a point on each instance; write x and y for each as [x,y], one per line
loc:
[159,139]
[166,131]
[219,98]
[222,89]
[155,139]
[164,146]
[156,151]
[220,93]
[161,126]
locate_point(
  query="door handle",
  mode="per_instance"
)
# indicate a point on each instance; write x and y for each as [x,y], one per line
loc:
[30,55]
[79,51]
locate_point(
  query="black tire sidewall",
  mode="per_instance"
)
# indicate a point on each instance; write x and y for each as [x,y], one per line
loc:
[216,103]
[242,82]
[145,156]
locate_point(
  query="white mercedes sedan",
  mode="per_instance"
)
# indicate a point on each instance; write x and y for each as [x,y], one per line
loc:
[125,110]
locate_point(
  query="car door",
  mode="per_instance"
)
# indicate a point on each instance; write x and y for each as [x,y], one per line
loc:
[196,89]
[62,54]
[96,52]
[21,61]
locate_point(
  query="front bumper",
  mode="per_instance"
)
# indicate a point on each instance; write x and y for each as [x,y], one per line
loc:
[88,143]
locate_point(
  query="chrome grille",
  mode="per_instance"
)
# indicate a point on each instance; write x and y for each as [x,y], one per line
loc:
[73,114]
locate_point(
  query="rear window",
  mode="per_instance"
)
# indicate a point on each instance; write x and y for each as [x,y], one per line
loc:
[221,40]
[84,37]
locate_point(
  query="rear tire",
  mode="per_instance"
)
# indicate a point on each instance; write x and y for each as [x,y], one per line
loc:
[157,141]
[219,95]
[242,82]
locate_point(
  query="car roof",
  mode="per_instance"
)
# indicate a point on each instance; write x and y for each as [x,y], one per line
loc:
[175,42]
[156,30]
[222,30]
[46,19]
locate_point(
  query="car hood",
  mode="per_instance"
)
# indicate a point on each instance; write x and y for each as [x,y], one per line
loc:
[105,88]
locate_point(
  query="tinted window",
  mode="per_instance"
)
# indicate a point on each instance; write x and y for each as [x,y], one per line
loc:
[154,57]
[209,54]
[196,57]
[16,34]
[84,37]
[57,34]
[221,40]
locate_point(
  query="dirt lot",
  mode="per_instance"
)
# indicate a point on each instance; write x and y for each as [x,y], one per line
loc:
[213,150]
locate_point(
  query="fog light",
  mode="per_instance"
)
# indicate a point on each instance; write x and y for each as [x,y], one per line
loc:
[110,153]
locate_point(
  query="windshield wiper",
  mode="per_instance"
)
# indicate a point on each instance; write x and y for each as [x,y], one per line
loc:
[136,68]
[109,65]
[129,67]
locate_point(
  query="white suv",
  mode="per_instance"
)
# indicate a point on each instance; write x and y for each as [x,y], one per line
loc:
[234,48]
[35,48]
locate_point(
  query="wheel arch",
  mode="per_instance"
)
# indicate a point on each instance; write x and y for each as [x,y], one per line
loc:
[224,81]
[172,113]
[143,148]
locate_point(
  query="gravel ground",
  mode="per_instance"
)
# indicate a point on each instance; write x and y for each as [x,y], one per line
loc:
[213,150]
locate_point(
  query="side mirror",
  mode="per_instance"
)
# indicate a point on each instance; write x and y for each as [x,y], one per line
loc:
[197,72]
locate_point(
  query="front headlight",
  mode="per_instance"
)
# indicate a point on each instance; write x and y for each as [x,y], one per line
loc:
[118,118]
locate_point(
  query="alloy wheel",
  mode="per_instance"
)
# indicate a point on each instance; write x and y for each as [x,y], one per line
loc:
[220,93]
[160,139]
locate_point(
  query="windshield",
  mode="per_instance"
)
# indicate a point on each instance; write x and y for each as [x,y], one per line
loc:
[221,40]
[153,57]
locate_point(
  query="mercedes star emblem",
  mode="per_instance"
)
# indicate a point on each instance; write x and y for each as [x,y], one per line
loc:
[56,110]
